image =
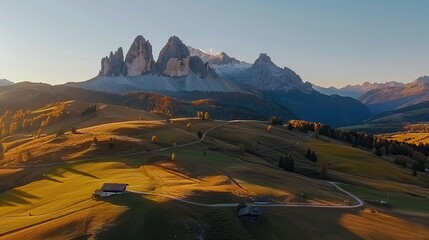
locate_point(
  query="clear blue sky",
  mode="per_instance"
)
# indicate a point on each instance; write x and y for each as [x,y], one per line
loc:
[327,42]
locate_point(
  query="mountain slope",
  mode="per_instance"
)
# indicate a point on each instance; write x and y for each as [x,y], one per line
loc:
[396,97]
[285,87]
[5,82]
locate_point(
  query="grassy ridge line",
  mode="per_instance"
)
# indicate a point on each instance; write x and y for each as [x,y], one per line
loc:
[126,154]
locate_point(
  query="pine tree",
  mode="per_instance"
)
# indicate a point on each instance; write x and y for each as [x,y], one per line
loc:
[324,170]
[308,156]
[313,156]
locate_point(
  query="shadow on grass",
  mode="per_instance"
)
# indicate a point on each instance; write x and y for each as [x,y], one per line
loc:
[15,197]
[75,171]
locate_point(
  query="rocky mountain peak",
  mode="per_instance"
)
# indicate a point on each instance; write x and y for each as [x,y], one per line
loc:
[113,65]
[264,59]
[173,60]
[139,59]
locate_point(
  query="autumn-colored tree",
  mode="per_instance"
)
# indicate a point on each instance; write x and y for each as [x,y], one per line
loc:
[13,127]
[270,129]
[173,157]
[206,115]
[154,139]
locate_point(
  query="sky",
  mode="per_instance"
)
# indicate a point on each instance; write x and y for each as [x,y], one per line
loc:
[328,43]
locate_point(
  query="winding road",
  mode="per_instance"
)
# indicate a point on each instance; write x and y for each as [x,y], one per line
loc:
[303,205]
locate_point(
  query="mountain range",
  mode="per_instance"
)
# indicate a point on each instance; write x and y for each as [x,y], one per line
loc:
[383,97]
[189,73]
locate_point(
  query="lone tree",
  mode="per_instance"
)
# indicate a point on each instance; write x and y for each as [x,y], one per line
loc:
[270,128]
[73,130]
[1,151]
[415,168]
[173,157]
[200,134]
[241,149]
[154,139]
[206,115]
[324,170]
[313,156]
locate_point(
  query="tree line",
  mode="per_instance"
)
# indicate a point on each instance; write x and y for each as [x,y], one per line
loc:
[379,146]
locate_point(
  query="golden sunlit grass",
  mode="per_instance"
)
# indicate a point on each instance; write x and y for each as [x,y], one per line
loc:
[208,172]
[412,138]
[369,225]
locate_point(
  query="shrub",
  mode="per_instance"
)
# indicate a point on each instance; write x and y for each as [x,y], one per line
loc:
[112,142]
[200,134]
[173,157]
[270,128]
[60,132]
[95,140]
[154,139]
[92,108]
[73,130]
[189,126]
[241,149]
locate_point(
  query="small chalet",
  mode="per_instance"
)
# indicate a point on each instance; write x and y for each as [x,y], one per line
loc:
[252,213]
[109,189]
[262,200]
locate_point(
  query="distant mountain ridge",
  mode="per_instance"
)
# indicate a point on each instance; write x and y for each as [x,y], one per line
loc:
[5,82]
[380,97]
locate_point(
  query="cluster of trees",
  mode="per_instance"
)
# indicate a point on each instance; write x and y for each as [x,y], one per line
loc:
[274,120]
[202,115]
[311,155]
[421,128]
[378,145]
[26,120]
[287,163]
[92,108]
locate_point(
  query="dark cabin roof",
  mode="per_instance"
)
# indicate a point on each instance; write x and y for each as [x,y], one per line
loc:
[114,187]
[250,211]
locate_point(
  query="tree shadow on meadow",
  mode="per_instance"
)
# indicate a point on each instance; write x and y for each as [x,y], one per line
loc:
[15,197]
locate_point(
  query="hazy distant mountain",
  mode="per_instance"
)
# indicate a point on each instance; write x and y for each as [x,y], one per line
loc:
[5,82]
[389,98]
[355,91]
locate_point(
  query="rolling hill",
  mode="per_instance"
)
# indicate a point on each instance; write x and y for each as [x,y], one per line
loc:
[208,172]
